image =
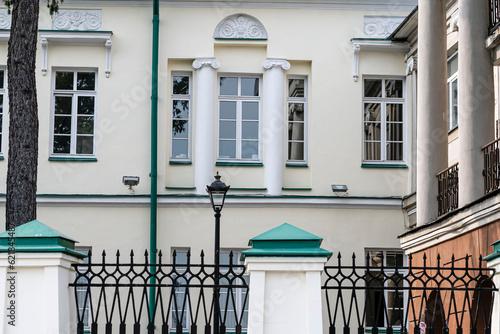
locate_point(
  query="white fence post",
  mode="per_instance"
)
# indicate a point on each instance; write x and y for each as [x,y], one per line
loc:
[285,266]
[35,270]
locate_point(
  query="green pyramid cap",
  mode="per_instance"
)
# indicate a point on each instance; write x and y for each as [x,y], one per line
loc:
[286,240]
[36,237]
[496,252]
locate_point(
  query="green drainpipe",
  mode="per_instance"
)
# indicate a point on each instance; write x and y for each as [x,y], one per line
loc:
[154,154]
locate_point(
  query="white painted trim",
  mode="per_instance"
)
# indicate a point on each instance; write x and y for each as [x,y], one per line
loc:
[247,202]
[4,37]
[44,42]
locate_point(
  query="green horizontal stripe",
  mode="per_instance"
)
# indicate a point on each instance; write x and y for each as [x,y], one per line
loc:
[73,159]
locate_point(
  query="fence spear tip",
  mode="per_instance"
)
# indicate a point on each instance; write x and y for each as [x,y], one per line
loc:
[160,254]
[146,253]
[117,253]
[131,252]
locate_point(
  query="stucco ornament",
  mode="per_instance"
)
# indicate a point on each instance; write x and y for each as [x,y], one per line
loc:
[240,26]
[200,62]
[381,26]
[276,63]
[4,19]
[77,19]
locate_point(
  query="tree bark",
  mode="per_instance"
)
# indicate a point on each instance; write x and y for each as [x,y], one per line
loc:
[23,114]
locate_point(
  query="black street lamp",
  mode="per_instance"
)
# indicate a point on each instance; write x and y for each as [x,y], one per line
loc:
[217,192]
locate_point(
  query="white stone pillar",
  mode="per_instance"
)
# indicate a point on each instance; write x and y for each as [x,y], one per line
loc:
[432,136]
[204,122]
[274,123]
[37,291]
[285,288]
[476,115]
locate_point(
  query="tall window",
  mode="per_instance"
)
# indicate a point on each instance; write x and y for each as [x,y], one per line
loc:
[239,114]
[384,306]
[384,119]
[74,113]
[453,92]
[2,99]
[297,104]
[181,103]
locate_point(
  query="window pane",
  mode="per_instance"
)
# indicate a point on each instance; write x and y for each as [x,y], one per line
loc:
[249,149]
[228,86]
[62,144]
[393,88]
[250,130]
[86,105]
[372,112]
[180,148]
[373,88]
[296,112]
[249,87]
[180,85]
[64,80]
[454,104]
[372,131]
[372,151]
[62,105]
[227,149]
[395,131]
[296,87]
[85,81]
[250,110]
[180,109]
[296,151]
[62,124]
[453,66]
[227,129]
[85,125]
[84,144]
[228,109]
[394,112]
[2,79]
[1,121]
[179,128]
[395,151]
[295,131]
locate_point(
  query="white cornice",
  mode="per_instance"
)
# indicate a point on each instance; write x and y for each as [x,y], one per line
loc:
[246,202]
[365,5]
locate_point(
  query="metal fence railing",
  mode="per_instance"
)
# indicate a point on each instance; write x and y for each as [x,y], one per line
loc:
[491,171]
[447,190]
[494,14]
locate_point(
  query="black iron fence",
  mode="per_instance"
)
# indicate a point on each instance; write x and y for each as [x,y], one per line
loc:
[447,190]
[443,298]
[494,14]
[130,297]
[491,171]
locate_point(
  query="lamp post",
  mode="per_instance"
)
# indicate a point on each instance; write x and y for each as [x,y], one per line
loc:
[217,192]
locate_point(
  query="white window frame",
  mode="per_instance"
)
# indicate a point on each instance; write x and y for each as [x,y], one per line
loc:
[180,97]
[74,118]
[388,271]
[239,293]
[3,92]
[303,100]
[449,85]
[383,101]
[239,99]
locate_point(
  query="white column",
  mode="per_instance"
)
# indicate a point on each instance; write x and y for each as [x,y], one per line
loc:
[285,288]
[476,115]
[432,136]
[38,290]
[274,123]
[204,122]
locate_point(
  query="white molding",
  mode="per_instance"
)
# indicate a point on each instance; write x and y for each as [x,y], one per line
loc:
[381,45]
[240,26]
[247,202]
[4,37]
[411,65]
[379,5]
[381,26]
[75,39]
[276,63]
[4,18]
[209,61]
[77,19]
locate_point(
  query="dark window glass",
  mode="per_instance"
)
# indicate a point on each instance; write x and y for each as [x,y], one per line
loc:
[85,81]
[64,80]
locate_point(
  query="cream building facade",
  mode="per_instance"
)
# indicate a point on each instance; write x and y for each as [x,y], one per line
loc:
[288,101]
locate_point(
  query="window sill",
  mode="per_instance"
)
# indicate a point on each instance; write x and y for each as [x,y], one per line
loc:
[383,166]
[71,159]
[297,189]
[180,188]
[248,189]
[297,165]
[173,162]
[450,131]
[240,164]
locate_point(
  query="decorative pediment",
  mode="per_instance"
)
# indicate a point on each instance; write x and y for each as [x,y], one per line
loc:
[77,19]
[240,26]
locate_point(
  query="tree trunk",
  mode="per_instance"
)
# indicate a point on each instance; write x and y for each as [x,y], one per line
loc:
[23,118]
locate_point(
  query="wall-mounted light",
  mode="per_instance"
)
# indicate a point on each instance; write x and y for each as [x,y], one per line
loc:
[130,181]
[339,188]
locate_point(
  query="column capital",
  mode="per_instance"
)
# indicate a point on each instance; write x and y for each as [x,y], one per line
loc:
[411,65]
[276,63]
[209,61]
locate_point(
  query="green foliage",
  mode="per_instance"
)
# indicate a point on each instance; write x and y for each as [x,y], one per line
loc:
[52,5]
